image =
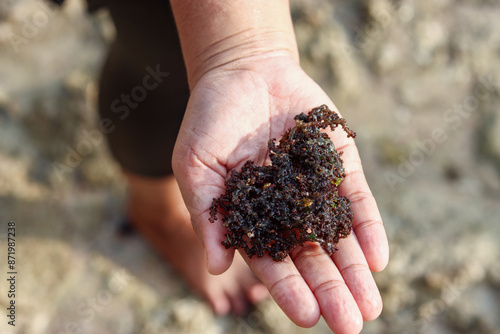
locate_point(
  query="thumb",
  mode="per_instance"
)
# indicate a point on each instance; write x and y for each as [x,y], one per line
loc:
[218,258]
[199,185]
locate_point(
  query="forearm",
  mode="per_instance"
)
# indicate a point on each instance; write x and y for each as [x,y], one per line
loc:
[216,33]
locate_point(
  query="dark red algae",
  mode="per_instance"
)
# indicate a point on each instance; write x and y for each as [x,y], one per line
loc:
[272,209]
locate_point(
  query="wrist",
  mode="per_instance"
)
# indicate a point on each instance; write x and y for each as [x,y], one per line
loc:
[241,51]
[229,35]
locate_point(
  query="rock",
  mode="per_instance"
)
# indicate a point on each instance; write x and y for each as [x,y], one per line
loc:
[494,274]
[492,137]
[191,316]
[388,58]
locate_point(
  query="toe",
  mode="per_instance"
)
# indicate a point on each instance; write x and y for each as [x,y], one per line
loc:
[257,293]
[218,300]
[239,304]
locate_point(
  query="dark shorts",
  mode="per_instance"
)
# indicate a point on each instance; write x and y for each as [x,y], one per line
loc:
[143,86]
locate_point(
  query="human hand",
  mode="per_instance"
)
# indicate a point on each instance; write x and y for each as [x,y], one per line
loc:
[231,115]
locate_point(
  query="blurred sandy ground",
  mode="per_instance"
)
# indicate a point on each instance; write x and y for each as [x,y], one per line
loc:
[418,80]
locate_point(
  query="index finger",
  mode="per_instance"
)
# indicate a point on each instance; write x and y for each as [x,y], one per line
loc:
[287,287]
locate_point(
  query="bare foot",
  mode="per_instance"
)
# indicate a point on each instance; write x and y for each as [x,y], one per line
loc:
[157,211]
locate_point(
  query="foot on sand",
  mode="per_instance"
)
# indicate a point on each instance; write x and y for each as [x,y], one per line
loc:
[157,211]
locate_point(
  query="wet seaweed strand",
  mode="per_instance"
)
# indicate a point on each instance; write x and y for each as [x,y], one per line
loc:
[272,209]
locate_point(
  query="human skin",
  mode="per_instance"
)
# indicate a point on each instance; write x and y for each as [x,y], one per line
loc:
[246,87]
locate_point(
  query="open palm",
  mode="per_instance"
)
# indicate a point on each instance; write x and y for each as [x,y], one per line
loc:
[232,113]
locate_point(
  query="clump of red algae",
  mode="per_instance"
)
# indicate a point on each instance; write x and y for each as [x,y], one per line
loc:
[272,209]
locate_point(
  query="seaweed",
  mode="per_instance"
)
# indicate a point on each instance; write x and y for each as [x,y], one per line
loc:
[272,209]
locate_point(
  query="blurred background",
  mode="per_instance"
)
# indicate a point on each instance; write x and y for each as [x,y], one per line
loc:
[419,81]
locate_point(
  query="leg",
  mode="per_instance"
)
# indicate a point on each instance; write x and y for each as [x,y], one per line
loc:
[142,141]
